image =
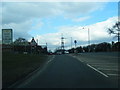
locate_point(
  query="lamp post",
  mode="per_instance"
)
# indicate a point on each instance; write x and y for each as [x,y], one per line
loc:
[88,39]
[71,42]
[88,36]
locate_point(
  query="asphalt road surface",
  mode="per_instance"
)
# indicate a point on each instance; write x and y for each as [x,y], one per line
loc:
[67,72]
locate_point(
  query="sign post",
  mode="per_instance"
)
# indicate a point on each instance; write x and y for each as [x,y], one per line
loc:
[75,43]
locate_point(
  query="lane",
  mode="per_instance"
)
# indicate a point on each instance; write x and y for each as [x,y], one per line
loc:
[106,62]
[67,72]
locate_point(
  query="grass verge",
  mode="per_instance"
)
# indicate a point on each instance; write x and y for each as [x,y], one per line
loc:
[17,66]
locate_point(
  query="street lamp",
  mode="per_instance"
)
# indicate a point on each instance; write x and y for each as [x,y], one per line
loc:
[71,42]
[88,36]
[88,39]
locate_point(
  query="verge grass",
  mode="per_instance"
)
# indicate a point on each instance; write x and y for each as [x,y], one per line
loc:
[17,66]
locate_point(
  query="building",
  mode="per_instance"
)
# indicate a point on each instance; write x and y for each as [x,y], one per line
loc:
[33,42]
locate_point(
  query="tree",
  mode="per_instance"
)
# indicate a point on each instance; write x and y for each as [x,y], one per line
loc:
[115,30]
[103,47]
[21,41]
[79,49]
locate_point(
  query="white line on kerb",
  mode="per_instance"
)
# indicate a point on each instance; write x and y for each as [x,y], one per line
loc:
[97,70]
[51,59]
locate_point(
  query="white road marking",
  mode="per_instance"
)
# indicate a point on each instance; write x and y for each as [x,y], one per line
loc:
[102,65]
[51,59]
[113,74]
[97,70]
[25,82]
[107,69]
[99,65]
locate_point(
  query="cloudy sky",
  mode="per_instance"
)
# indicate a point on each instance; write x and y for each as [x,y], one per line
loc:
[47,21]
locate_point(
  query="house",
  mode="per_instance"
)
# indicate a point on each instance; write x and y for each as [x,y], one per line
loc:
[33,42]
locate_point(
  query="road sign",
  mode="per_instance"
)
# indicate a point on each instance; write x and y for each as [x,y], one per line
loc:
[7,36]
[75,41]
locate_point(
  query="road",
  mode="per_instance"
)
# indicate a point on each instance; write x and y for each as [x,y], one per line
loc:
[67,72]
[107,62]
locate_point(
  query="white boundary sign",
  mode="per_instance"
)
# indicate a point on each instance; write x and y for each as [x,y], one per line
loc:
[7,36]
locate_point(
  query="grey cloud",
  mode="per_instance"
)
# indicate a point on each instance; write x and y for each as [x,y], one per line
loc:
[21,34]
[20,12]
[80,8]
[19,16]
[19,30]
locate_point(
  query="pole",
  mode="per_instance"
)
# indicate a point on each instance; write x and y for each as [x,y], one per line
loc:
[75,43]
[46,47]
[46,44]
[62,43]
[88,36]
[71,42]
[37,41]
[88,40]
[118,37]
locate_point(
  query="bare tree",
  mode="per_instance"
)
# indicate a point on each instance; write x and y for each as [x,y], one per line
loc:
[20,41]
[115,30]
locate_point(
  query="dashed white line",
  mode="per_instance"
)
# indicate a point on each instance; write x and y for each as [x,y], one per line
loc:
[97,70]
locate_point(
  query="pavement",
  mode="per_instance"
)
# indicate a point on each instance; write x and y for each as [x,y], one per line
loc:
[64,71]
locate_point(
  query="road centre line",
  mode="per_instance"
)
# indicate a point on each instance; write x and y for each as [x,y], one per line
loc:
[97,70]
